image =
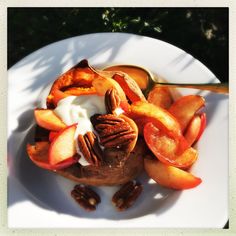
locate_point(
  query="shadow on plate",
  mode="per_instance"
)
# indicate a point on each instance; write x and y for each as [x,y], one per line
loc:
[50,191]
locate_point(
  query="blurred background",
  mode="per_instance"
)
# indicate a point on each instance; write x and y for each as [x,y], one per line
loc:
[201,32]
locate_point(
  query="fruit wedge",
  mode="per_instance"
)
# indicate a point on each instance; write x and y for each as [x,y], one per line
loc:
[130,87]
[159,116]
[38,153]
[160,96]
[165,148]
[170,176]
[81,75]
[185,107]
[63,145]
[195,128]
[47,119]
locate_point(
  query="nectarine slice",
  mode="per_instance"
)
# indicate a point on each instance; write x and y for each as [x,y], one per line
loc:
[195,128]
[170,176]
[38,153]
[160,96]
[130,87]
[161,117]
[165,148]
[63,145]
[185,107]
[81,75]
[47,119]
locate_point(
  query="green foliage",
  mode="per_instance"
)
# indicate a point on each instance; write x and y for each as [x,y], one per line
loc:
[202,32]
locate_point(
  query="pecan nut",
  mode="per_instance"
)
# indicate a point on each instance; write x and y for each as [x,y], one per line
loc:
[89,146]
[112,100]
[113,131]
[85,197]
[126,196]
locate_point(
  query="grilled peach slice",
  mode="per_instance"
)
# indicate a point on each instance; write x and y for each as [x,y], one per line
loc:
[160,96]
[139,75]
[47,119]
[185,107]
[164,148]
[80,75]
[195,128]
[130,87]
[38,153]
[147,112]
[170,176]
[63,145]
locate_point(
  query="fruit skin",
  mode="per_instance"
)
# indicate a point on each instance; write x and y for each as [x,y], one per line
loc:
[52,135]
[185,107]
[160,96]
[130,87]
[164,148]
[63,145]
[38,153]
[195,128]
[170,176]
[47,119]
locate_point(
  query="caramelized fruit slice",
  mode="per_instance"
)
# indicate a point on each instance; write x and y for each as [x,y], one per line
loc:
[170,176]
[195,128]
[139,75]
[47,119]
[185,107]
[161,117]
[160,96]
[80,75]
[164,148]
[38,153]
[130,87]
[63,145]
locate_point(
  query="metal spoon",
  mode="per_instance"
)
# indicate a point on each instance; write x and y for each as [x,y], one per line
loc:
[140,73]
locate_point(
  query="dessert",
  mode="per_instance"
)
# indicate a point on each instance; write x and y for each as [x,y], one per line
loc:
[100,129]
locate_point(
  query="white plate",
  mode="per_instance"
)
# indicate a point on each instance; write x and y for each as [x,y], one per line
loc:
[38,198]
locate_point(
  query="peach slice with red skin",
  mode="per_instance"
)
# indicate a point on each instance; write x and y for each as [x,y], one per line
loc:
[147,112]
[164,148]
[160,96]
[195,128]
[185,107]
[38,153]
[170,176]
[63,145]
[47,119]
[130,87]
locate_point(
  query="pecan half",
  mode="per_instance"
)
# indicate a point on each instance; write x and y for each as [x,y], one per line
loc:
[113,131]
[89,146]
[112,100]
[85,197]
[127,195]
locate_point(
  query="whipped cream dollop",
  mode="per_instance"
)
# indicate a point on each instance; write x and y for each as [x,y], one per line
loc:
[79,109]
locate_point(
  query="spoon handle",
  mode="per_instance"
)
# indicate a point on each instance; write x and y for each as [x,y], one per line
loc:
[217,88]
